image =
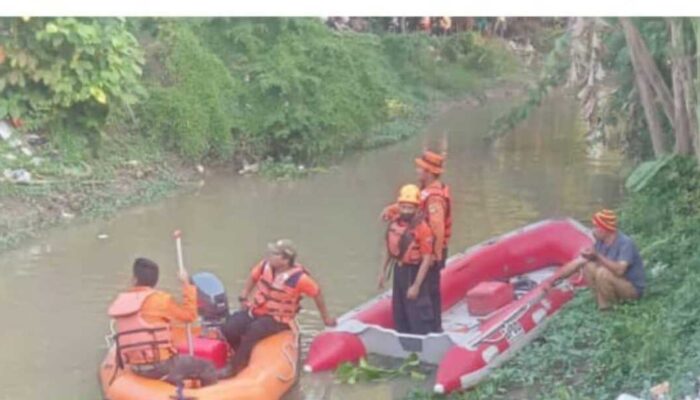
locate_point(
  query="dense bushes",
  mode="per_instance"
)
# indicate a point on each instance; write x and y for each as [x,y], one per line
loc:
[305,93]
[66,71]
[192,103]
[217,89]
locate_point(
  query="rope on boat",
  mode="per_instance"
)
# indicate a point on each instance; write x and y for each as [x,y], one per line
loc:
[109,339]
[287,351]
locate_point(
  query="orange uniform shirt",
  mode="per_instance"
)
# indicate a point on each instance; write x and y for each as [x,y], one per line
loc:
[160,307]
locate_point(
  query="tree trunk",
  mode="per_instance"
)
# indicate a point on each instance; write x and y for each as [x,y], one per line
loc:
[652,115]
[644,89]
[696,105]
[645,62]
[681,121]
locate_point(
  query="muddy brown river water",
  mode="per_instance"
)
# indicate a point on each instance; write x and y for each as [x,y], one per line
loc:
[54,290]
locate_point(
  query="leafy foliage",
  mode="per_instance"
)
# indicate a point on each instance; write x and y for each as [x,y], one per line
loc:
[192,104]
[67,70]
[365,372]
[308,92]
[644,173]
[234,88]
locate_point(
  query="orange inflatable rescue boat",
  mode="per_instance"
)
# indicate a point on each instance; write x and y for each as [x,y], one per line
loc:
[271,372]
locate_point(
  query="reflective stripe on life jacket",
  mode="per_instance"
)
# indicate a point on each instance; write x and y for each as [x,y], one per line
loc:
[276,295]
[443,191]
[401,241]
[139,342]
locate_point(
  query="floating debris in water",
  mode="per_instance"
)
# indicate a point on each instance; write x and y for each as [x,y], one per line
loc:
[249,168]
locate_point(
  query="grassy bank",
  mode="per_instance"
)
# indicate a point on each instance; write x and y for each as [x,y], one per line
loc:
[68,185]
[585,354]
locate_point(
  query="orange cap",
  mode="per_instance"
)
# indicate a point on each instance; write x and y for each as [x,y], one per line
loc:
[431,162]
[606,220]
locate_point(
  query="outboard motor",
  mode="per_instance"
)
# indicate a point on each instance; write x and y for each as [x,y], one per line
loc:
[212,306]
[212,303]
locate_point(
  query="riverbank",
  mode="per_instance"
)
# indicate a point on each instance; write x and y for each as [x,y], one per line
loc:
[286,98]
[134,170]
[585,354]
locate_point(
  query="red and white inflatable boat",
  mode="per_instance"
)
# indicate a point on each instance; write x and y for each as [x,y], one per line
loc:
[493,304]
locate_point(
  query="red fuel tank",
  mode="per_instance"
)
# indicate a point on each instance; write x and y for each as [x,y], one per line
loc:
[213,350]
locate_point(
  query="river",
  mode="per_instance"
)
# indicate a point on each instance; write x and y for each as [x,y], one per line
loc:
[54,290]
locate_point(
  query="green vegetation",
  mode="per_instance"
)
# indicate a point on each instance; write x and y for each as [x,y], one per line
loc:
[192,106]
[636,80]
[364,372]
[233,88]
[104,108]
[67,73]
[586,354]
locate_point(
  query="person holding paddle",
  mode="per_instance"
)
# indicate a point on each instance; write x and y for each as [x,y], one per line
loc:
[410,247]
[144,317]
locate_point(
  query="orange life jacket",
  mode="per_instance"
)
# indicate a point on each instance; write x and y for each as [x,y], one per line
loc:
[139,342]
[401,241]
[442,191]
[276,294]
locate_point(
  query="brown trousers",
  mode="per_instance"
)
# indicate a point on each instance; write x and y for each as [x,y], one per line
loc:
[607,287]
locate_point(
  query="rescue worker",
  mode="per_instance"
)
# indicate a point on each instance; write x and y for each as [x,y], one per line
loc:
[445,24]
[436,208]
[144,317]
[425,25]
[409,244]
[279,284]
[613,267]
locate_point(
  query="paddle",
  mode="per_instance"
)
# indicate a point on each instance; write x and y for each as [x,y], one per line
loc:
[177,235]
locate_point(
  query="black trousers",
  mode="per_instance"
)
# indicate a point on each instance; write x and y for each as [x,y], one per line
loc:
[433,279]
[243,331]
[179,368]
[411,316]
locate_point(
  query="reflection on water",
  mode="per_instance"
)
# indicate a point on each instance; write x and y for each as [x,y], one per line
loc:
[54,291]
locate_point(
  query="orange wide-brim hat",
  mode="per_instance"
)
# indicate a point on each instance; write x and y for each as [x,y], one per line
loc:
[431,162]
[606,220]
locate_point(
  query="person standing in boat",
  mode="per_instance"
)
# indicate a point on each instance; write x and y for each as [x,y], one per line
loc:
[144,317]
[435,205]
[279,284]
[613,267]
[409,244]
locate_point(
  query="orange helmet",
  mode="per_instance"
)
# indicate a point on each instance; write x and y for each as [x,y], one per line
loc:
[409,194]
